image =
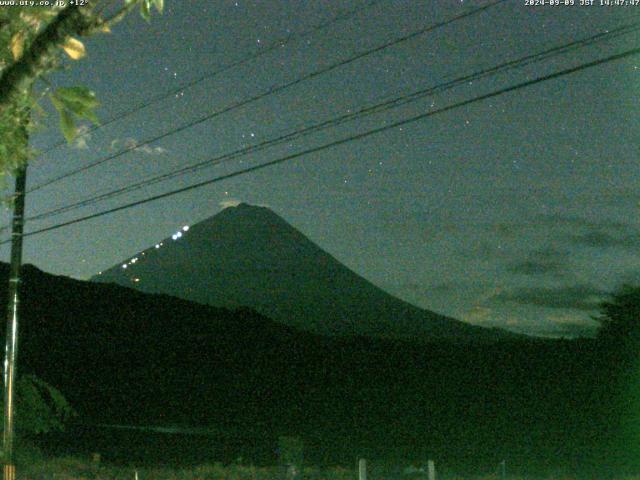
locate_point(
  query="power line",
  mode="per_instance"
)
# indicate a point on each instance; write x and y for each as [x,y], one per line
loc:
[365,111]
[359,136]
[270,92]
[242,61]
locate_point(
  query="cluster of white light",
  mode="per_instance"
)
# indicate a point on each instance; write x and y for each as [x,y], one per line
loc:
[175,236]
[178,234]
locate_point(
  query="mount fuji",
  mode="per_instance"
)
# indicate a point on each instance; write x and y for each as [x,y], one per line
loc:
[248,256]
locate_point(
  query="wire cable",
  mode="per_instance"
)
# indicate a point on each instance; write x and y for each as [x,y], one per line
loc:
[269,92]
[359,136]
[362,112]
[282,42]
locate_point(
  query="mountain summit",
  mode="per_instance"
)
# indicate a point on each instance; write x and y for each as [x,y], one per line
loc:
[249,256]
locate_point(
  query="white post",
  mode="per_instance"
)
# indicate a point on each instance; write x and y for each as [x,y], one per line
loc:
[362,469]
[431,469]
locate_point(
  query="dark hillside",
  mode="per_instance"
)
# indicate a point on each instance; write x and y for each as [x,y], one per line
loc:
[126,357]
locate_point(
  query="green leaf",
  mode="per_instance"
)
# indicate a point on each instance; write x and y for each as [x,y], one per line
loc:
[17,45]
[67,125]
[145,10]
[159,4]
[41,407]
[57,103]
[80,96]
[91,116]
[74,48]
[75,101]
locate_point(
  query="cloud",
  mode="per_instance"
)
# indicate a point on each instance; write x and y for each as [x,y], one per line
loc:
[601,233]
[571,319]
[541,262]
[80,143]
[132,144]
[531,267]
[567,324]
[601,239]
[581,297]
[595,239]
[232,202]
[83,137]
[479,315]
[577,221]
[151,150]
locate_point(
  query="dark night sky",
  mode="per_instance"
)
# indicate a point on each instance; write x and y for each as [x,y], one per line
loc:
[518,211]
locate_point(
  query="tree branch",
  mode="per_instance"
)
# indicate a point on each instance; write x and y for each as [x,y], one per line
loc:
[115,18]
[18,77]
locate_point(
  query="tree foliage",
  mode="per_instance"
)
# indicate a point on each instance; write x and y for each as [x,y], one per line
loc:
[40,408]
[35,41]
[620,318]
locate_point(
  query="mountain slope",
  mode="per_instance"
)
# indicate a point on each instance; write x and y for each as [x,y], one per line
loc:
[249,256]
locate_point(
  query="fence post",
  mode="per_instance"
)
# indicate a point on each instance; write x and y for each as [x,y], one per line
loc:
[362,469]
[431,470]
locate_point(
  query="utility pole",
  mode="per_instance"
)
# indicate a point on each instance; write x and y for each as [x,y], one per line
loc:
[11,334]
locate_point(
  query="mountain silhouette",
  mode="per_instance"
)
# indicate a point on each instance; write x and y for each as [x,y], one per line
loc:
[249,256]
[127,358]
